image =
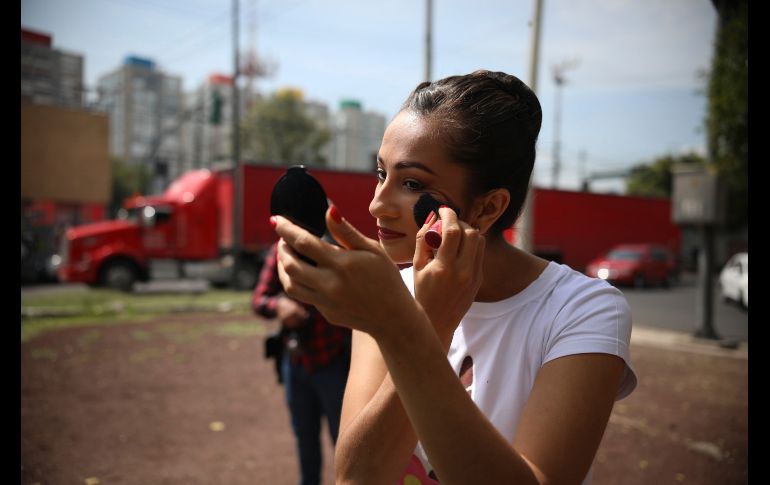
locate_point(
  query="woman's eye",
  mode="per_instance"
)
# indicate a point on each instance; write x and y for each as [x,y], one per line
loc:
[412,184]
[380,174]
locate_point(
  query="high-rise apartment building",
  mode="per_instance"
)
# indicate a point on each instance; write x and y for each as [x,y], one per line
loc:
[50,76]
[145,107]
[356,137]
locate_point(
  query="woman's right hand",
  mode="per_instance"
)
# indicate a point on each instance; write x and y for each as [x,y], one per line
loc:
[358,286]
[446,280]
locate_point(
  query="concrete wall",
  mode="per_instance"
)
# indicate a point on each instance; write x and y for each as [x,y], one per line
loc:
[64,154]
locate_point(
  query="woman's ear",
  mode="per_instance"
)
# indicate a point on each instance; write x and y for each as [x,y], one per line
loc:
[489,207]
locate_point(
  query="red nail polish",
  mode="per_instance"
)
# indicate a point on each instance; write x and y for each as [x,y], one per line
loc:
[336,216]
[273,221]
[428,218]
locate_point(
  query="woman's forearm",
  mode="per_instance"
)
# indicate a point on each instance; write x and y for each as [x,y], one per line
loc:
[459,440]
[376,446]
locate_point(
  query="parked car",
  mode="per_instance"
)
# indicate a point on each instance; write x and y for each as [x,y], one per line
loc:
[734,279]
[639,265]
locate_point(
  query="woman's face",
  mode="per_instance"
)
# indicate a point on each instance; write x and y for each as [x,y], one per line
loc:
[411,161]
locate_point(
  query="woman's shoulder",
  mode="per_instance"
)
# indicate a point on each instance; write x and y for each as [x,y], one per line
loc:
[572,285]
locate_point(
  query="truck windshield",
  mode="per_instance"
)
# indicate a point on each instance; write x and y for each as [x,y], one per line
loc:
[623,255]
[129,215]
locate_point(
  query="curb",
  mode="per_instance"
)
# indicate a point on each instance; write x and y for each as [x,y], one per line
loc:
[680,341]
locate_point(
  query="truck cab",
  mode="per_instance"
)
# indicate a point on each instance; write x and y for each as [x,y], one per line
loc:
[181,224]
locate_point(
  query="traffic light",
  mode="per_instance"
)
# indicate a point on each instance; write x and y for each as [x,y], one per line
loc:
[215,114]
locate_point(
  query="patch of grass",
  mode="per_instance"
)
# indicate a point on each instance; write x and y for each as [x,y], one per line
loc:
[182,332]
[141,335]
[145,354]
[31,328]
[240,329]
[76,308]
[44,353]
[85,340]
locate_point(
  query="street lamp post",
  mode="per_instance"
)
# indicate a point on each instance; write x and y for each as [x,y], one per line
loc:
[559,79]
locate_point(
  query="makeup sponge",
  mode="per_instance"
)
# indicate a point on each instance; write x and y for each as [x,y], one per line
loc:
[424,206]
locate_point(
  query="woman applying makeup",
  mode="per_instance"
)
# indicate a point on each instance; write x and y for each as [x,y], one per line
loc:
[480,363]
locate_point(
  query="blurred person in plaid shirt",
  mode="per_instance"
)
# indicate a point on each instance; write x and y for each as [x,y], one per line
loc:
[313,359]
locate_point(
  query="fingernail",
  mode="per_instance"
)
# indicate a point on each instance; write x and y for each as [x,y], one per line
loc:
[273,221]
[429,217]
[335,214]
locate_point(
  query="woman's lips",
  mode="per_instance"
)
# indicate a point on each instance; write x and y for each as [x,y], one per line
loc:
[387,234]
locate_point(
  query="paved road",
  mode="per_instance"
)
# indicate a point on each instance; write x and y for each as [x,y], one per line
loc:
[675,309]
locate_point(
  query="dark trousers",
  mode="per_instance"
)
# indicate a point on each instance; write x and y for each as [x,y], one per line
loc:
[309,396]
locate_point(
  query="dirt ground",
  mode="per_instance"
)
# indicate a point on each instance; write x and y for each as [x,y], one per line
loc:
[189,399]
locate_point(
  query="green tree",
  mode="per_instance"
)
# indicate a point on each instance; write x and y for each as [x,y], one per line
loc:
[655,179]
[727,121]
[278,129]
[127,180]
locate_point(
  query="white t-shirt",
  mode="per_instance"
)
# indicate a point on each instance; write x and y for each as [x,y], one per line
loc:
[563,312]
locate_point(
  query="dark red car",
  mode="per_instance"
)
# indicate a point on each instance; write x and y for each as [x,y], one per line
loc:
[636,264]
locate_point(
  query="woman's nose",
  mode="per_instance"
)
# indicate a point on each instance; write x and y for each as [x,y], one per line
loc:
[383,204]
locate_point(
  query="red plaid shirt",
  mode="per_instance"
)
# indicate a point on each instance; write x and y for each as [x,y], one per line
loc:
[321,341]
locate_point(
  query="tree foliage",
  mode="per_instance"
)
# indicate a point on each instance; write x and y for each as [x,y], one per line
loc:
[127,180]
[655,179]
[727,119]
[278,129]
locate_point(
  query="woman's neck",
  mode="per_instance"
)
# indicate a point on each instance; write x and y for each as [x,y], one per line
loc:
[507,270]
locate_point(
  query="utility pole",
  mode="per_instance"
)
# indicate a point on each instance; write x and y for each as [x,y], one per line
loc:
[558,78]
[236,154]
[428,38]
[525,222]
[198,124]
[583,173]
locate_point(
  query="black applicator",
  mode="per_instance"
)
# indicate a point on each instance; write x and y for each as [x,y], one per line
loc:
[424,206]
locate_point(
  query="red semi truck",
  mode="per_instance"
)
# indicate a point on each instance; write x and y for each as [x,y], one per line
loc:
[190,225]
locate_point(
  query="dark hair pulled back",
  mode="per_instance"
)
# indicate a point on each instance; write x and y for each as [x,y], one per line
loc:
[489,123]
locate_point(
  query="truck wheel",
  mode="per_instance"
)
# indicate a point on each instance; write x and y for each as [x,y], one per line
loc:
[246,277]
[639,280]
[119,275]
[669,281]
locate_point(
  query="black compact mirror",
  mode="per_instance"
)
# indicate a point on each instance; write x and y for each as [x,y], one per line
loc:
[299,197]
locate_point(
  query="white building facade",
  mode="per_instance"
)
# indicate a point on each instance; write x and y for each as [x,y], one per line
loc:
[356,137]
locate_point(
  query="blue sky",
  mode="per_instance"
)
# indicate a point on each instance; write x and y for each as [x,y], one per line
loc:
[633,95]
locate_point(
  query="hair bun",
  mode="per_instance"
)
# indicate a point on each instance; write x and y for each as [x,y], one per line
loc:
[519,91]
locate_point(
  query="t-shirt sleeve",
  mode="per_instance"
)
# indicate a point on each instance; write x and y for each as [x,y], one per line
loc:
[407,275]
[595,318]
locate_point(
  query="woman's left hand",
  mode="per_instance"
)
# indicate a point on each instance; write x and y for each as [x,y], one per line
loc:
[447,280]
[357,287]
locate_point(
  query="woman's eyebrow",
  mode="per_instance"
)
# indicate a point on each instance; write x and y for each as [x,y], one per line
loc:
[417,165]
